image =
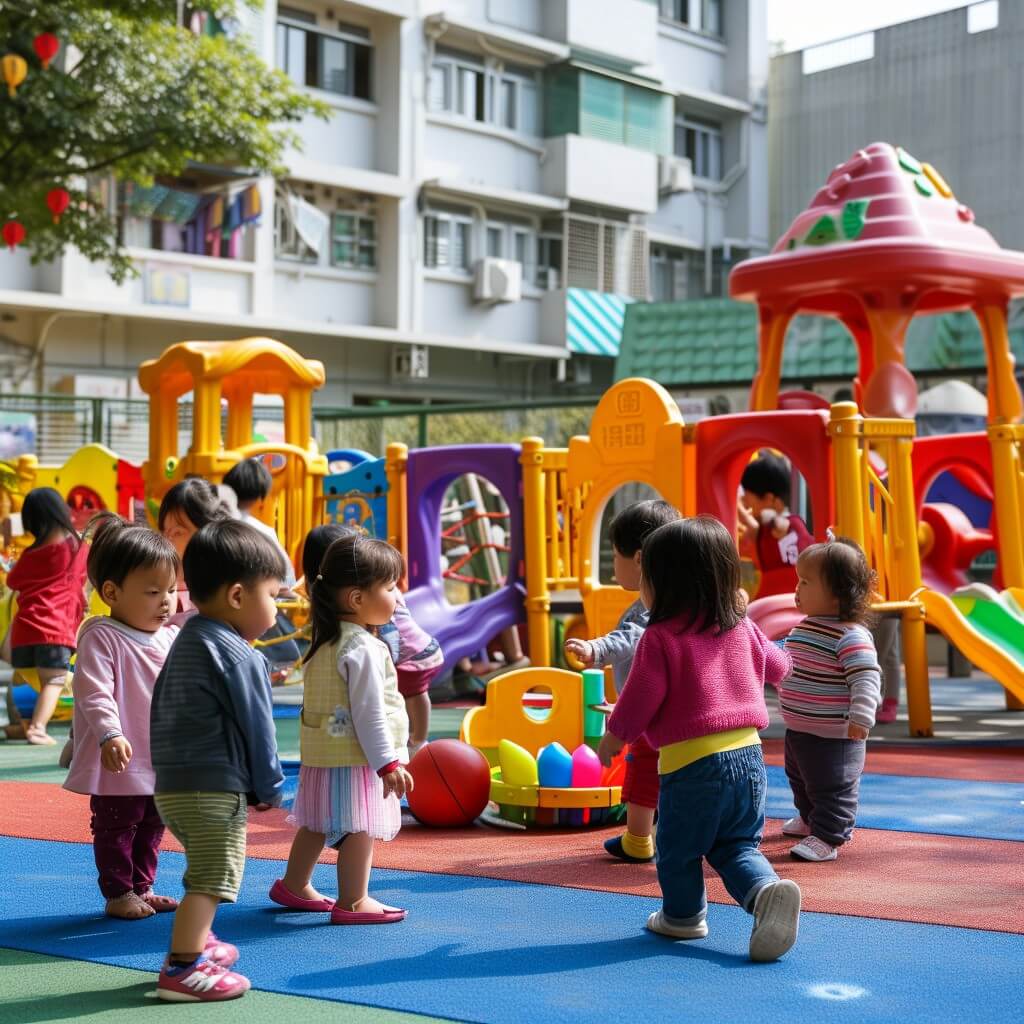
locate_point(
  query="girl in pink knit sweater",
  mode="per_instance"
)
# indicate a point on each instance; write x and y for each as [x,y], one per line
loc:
[695,692]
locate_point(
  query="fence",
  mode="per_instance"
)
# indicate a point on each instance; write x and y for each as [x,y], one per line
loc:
[55,426]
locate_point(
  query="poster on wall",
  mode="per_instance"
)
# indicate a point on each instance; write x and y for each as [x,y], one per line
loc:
[164,284]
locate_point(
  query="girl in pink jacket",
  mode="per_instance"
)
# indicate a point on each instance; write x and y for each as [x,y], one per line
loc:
[134,570]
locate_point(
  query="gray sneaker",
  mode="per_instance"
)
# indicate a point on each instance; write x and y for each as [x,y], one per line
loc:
[663,925]
[776,920]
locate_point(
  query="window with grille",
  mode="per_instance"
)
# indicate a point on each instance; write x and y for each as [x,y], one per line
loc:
[334,62]
[485,91]
[288,244]
[448,241]
[701,141]
[353,241]
[606,256]
[699,15]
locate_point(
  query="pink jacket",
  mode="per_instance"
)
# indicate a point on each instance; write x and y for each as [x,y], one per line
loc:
[684,684]
[115,672]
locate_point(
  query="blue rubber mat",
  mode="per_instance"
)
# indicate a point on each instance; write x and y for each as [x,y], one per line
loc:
[945,807]
[476,949]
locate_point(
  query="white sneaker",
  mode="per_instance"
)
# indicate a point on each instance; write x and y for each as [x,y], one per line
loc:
[796,827]
[657,922]
[776,920]
[813,848]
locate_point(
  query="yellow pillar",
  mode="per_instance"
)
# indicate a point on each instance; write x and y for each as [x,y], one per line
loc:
[396,462]
[239,430]
[764,393]
[1004,398]
[206,418]
[915,660]
[538,600]
[846,428]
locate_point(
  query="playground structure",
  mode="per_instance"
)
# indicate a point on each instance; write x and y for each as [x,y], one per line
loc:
[884,238]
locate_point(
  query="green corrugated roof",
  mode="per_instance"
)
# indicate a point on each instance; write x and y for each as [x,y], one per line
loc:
[714,341]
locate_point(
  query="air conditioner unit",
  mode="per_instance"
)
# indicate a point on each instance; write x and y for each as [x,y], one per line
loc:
[410,362]
[675,174]
[498,281]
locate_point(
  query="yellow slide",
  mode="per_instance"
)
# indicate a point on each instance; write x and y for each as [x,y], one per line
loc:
[987,627]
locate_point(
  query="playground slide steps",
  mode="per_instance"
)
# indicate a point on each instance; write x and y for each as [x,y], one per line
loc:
[986,626]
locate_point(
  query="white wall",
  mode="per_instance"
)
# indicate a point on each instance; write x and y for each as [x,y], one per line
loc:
[348,139]
[687,59]
[326,297]
[622,28]
[604,173]
[449,309]
[479,156]
[18,274]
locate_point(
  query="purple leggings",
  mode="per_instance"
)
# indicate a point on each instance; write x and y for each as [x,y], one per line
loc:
[126,834]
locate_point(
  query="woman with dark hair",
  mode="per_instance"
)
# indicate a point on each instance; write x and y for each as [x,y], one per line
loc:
[49,579]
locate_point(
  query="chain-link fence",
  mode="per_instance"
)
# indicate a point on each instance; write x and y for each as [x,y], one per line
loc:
[54,427]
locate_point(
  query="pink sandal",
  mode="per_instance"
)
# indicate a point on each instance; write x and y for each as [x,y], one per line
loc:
[161,904]
[284,897]
[392,916]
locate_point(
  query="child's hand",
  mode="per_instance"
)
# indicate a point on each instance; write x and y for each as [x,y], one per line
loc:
[608,747]
[857,732]
[581,650]
[742,600]
[115,754]
[398,782]
[780,527]
[745,518]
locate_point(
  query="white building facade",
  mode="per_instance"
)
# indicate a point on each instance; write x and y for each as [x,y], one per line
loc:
[496,180]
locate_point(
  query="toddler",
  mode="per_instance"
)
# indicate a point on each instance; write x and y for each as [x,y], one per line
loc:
[829,699]
[695,692]
[773,534]
[49,578]
[640,788]
[416,654]
[213,745]
[352,736]
[135,571]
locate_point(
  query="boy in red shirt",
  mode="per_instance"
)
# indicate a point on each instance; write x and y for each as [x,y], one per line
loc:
[769,532]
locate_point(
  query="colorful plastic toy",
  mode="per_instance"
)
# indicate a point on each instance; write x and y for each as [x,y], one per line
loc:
[452,784]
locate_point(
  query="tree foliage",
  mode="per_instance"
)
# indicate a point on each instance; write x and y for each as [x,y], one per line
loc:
[132,94]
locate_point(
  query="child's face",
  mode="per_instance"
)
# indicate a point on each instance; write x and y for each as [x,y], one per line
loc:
[373,606]
[250,609]
[813,596]
[146,598]
[179,530]
[626,569]
[758,503]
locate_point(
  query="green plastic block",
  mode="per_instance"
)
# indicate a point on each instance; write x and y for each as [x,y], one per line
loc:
[907,162]
[924,186]
[854,217]
[823,232]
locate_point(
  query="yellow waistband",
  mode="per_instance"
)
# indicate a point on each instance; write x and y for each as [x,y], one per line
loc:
[679,755]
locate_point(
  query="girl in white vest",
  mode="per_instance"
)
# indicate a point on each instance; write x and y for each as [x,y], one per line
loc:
[353,734]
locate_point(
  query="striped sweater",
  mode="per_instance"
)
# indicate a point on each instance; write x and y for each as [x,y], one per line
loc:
[835,678]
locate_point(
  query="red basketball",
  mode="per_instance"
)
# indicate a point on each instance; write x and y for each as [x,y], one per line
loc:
[452,784]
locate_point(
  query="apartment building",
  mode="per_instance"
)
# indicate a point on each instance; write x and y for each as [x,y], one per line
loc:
[496,180]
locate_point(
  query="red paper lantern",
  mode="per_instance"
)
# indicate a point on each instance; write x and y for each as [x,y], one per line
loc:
[57,199]
[14,233]
[46,45]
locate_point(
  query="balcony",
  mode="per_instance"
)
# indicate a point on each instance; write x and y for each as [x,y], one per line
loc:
[603,173]
[626,30]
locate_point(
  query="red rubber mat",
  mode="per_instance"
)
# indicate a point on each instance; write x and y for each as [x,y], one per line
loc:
[900,876]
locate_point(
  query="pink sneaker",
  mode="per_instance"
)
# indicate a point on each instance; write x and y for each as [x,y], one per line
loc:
[887,712]
[796,827]
[223,954]
[202,982]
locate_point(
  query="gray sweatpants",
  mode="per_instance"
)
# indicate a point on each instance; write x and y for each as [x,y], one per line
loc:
[887,644]
[824,775]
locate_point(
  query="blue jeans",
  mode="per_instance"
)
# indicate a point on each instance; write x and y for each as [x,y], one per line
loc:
[713,808]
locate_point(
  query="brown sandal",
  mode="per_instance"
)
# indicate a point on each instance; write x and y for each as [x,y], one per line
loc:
[129,907]
[161,904]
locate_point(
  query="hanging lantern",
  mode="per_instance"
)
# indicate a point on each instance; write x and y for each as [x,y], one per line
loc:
[57,199]
[46,45]
[14,233]
[14,70]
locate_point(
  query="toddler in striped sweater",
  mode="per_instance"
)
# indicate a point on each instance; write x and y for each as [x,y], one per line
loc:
[830,697]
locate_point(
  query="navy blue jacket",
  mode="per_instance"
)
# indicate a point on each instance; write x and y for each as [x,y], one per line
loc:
[212,723]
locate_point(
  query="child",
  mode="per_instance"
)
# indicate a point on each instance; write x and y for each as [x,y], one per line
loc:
[829,699]
[135,571]
[213,745]
[640,789]
[251,481]
[352,736]
[49,578]
[773,534]
[696,693]
[416,654]
[187,507]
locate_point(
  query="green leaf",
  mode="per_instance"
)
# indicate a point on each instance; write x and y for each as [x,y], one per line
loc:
[823,232]
[854,217]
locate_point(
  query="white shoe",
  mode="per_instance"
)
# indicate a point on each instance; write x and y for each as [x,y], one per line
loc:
[796,827]
[776,920]
[813,848]
[657,922]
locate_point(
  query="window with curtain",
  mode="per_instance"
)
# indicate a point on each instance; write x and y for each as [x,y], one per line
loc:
[334,62]
[448,241]
[491,93]
[701,141]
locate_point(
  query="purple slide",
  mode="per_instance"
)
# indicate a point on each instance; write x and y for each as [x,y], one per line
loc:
[461,629]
